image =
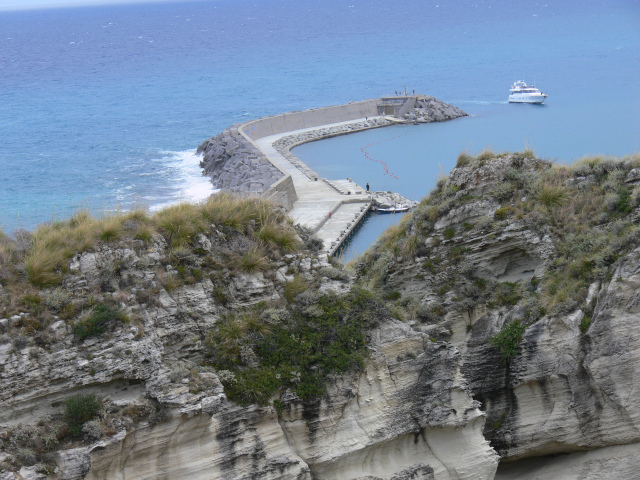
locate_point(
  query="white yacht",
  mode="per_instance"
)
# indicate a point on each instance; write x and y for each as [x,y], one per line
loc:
[522,93]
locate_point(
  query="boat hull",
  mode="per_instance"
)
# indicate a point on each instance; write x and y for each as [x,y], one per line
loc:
[527,99]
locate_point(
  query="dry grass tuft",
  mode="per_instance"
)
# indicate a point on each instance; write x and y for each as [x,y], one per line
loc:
[253,260]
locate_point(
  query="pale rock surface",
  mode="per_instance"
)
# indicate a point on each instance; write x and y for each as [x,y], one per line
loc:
[405,409]
[565,391]
[614,462]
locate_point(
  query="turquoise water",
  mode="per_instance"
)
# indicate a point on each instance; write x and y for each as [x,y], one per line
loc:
[105,106]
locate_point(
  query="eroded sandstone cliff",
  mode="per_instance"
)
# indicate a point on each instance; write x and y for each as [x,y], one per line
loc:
[499,325]
[550,255]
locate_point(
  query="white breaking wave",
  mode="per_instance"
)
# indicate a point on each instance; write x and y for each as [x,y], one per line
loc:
[190,185]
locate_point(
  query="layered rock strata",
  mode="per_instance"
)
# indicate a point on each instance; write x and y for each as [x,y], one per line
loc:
[570,385]
[406,415]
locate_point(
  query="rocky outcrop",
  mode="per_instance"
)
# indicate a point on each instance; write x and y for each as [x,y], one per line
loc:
[440,395]
[566,395]
[407,414]
[430,109]
[233,163]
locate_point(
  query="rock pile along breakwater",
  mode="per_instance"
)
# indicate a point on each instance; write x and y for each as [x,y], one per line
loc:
[254,158]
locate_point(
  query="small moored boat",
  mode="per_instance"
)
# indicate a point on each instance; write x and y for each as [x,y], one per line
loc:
[386,208]
[523,93]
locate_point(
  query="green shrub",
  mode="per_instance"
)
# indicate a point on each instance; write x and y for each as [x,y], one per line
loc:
[392,296]
[623,203]
[506,293]
[508,339]
[79,409]
[449,233]
[585,323]
[33,302]
[298,351]
[98,322]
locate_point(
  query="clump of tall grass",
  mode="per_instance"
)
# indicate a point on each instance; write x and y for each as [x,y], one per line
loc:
[410,246]
[53,245]
[486,154]
[279,236]
[551,196]
[253,260]
[295,287]
[463,159]
[179,223]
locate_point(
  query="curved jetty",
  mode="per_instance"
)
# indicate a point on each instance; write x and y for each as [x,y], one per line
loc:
[255,158]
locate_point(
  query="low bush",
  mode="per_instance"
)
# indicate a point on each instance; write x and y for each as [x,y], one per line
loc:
[506,293]
[96,323]
[508,339]
[79,409]
[334,274]
[502,213]
[298,351]
[585,323]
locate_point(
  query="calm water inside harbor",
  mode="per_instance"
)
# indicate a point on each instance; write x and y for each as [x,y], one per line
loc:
[559,130]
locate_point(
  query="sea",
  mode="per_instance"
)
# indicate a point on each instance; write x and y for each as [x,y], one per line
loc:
[103,107]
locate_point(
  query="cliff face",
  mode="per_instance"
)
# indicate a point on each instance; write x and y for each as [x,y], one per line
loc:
[506,334]
[494,251]
[405,415]
[165,412]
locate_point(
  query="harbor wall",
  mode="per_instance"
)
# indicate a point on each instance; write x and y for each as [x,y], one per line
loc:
[283,192]
[316,117]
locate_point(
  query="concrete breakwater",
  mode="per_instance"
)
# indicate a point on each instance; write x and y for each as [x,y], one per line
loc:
[254,158]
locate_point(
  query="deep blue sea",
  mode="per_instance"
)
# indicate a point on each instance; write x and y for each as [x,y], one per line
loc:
[103,107]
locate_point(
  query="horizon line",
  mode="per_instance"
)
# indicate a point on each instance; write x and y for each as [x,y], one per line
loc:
[21,5]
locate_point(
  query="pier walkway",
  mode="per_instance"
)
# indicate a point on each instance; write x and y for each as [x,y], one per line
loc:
[243,156]
[321,205]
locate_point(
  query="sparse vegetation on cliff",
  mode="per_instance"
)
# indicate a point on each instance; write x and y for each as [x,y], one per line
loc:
[585,210]
[265,350]
[496,254]
[33,265]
